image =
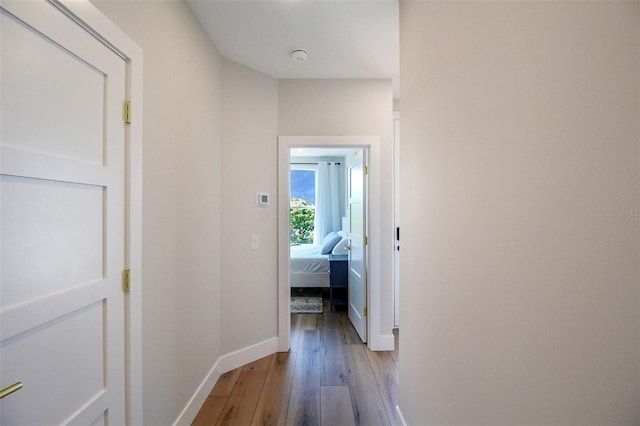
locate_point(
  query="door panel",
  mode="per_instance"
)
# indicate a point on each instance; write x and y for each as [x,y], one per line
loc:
[62,229]
[40,263]
[356,225]
[81,358]
[55,77]
[357,254]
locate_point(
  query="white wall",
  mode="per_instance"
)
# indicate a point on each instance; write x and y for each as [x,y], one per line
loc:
[181,201]
[350,107]
[520,156]
[250,149]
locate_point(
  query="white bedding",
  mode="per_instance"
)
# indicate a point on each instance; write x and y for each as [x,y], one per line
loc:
[306,258]
[308,267]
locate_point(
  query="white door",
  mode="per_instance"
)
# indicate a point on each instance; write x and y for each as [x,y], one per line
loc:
[62,220]
[357,252]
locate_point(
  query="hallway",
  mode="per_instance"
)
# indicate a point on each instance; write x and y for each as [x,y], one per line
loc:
[328,378]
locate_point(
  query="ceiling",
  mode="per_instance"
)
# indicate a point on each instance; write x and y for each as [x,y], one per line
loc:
[345,39]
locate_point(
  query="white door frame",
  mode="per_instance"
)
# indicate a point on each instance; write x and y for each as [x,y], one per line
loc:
[374,229]
[396,219]
[94,21]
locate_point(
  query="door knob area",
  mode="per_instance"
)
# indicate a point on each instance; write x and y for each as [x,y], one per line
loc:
[10,389]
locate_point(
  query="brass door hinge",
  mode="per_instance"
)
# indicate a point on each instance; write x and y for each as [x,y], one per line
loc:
[365,170]
[126,280]
[126,112]
[365,311]
[365,241]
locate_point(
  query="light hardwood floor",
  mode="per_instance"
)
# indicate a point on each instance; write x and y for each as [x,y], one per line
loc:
[328,378]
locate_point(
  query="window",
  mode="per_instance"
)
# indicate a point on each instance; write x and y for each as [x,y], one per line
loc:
[302,207]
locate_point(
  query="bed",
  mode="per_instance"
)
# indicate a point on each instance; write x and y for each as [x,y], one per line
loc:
[309,267]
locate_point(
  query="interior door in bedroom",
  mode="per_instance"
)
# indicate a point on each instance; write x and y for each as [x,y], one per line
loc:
[62,186]
[356,187]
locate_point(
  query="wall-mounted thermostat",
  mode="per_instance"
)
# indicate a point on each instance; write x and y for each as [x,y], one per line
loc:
[262,199]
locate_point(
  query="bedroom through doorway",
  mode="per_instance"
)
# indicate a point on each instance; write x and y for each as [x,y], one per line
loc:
[326,233]
[344,282]
[318,228]
[327,220]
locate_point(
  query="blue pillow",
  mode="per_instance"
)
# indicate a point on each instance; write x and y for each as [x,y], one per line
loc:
[327,237]
[330,242]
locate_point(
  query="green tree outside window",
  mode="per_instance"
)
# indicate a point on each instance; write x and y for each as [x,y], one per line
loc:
[301,223]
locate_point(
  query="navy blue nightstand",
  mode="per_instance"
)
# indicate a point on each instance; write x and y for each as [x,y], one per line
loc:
[338,280]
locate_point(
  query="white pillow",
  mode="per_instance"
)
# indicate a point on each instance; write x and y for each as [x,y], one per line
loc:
[341,247]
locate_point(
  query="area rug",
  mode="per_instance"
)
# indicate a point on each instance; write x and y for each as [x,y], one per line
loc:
[306,301]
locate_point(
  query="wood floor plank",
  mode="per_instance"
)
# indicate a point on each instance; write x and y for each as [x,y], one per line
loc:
[304,405]
[242,402]
[308,321]
[335,406]
[260,365]
[289,392]
[295,332]
[368,408]
[348,334]
[386,374]
[210,411]
[225,383]
[332,369]
[274,400]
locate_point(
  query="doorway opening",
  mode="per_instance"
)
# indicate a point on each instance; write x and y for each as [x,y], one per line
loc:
[349,156]
[327,221]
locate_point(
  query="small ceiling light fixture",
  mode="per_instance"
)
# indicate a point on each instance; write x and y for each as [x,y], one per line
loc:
[299,55]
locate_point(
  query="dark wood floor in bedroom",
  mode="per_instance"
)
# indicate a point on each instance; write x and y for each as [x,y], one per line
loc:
[328,378]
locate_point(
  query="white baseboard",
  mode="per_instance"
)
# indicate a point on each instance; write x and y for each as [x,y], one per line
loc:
[190,411]
[382,342]
[222,365]
[402,420]
[249,354]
